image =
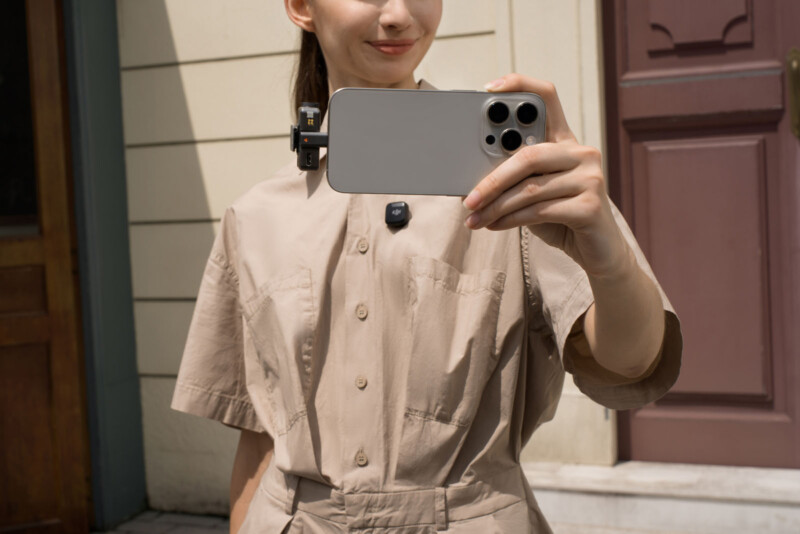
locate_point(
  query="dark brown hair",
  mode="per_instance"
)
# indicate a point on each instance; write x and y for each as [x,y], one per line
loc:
[311,79]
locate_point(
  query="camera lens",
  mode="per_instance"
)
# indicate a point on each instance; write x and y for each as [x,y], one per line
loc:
[527,113]
[490,139]
[498,112]
[511,140]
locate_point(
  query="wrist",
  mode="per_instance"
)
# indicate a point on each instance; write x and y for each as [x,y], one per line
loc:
[622,269]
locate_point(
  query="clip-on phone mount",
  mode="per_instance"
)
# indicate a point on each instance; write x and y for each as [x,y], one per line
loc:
[306,139]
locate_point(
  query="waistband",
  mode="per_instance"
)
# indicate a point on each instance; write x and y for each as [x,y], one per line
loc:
[428,506]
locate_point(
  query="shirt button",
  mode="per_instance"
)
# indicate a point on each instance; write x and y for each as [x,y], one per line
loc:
[361,311]
[361,458]
[361,382]
[363,245]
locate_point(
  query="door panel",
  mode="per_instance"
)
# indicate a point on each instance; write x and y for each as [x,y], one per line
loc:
[30,492]
[22,289]
[726,354]
[702,163]
[670,37]
[44,471]
[722,22]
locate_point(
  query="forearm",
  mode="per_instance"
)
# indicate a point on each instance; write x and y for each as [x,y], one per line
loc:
[252,458]
[624,328]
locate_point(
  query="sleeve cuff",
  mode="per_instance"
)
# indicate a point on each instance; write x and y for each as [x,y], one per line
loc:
[620,393]
[223,408]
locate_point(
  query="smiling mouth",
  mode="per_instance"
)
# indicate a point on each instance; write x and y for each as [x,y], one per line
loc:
[394,47]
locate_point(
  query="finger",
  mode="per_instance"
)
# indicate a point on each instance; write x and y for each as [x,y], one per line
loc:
[544,158]
[557,128]
[565,211]
[529,191]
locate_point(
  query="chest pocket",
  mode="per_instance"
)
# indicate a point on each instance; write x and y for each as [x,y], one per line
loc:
[282,318]
[454,332]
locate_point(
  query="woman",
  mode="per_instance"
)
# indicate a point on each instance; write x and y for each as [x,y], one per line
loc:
[386,380]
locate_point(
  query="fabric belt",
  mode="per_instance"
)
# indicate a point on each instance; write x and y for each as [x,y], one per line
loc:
[429,506]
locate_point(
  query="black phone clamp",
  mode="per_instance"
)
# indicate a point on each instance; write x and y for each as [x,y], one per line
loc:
[306,139]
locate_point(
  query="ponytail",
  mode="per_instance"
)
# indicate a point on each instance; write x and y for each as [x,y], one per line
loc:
[311,80]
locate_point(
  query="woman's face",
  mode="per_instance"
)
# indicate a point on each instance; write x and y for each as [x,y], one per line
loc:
[374,43]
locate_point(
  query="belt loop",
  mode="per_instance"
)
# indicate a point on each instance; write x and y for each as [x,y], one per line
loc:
[291,492]
[441,509]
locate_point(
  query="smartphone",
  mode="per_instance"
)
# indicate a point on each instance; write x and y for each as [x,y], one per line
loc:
[425,142]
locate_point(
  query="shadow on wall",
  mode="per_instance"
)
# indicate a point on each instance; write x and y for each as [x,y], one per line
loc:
[206,108]
[165,185]
[199,132]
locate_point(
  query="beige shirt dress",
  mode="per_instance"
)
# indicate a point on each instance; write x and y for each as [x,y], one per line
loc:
[400,372]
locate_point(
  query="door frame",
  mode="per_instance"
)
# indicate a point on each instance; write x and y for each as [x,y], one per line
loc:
[101,215]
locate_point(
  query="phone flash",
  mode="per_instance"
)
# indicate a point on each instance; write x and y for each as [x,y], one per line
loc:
[530,140]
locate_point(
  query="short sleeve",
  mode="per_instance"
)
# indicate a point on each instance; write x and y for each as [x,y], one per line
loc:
[563,295]
[211,379]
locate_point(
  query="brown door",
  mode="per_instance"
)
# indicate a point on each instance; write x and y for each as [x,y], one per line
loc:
[704,164]
[43,445]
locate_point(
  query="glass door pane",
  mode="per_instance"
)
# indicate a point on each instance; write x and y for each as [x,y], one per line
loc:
[18,202]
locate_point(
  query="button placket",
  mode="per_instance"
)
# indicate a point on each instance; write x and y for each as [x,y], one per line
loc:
[360,413]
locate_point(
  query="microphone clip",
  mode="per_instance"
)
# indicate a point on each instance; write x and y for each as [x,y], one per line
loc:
[305,137]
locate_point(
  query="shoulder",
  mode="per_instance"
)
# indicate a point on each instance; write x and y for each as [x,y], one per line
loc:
[282,189]
[287,185]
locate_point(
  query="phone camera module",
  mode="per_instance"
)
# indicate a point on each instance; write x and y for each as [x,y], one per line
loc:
[511,140]
[498,112]
[527,113]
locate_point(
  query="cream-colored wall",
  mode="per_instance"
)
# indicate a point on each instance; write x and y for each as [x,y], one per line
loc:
[206,110]
[560,41]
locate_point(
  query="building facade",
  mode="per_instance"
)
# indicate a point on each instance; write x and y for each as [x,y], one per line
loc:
[174,108]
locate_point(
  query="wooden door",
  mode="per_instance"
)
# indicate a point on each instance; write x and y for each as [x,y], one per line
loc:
[704,164]
[43,438]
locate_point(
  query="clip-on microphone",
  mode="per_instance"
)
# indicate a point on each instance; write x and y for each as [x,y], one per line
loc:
[306,139]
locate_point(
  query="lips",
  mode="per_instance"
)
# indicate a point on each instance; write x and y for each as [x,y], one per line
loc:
[393,47]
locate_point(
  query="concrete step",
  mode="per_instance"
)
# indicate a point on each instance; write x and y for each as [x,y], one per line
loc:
[567,528]
[651,498]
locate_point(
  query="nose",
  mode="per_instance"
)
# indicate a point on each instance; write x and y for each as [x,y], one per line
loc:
[395,15]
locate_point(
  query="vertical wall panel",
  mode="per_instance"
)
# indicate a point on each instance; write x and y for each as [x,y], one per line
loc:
[188,459]
[559,42]
[197,181]
[461,63]
[547,44]
[221,100]
[156,32]
[168,259]
[161,328]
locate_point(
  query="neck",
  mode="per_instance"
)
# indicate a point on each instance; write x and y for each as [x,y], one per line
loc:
[337,82]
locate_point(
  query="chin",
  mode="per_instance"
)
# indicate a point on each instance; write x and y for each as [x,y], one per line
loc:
[390,76]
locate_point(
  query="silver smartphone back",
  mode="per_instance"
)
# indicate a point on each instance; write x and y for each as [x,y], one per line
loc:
[421,142]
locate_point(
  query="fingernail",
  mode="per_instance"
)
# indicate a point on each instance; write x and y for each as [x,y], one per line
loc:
[496,84]
[472,200]
[473,220]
